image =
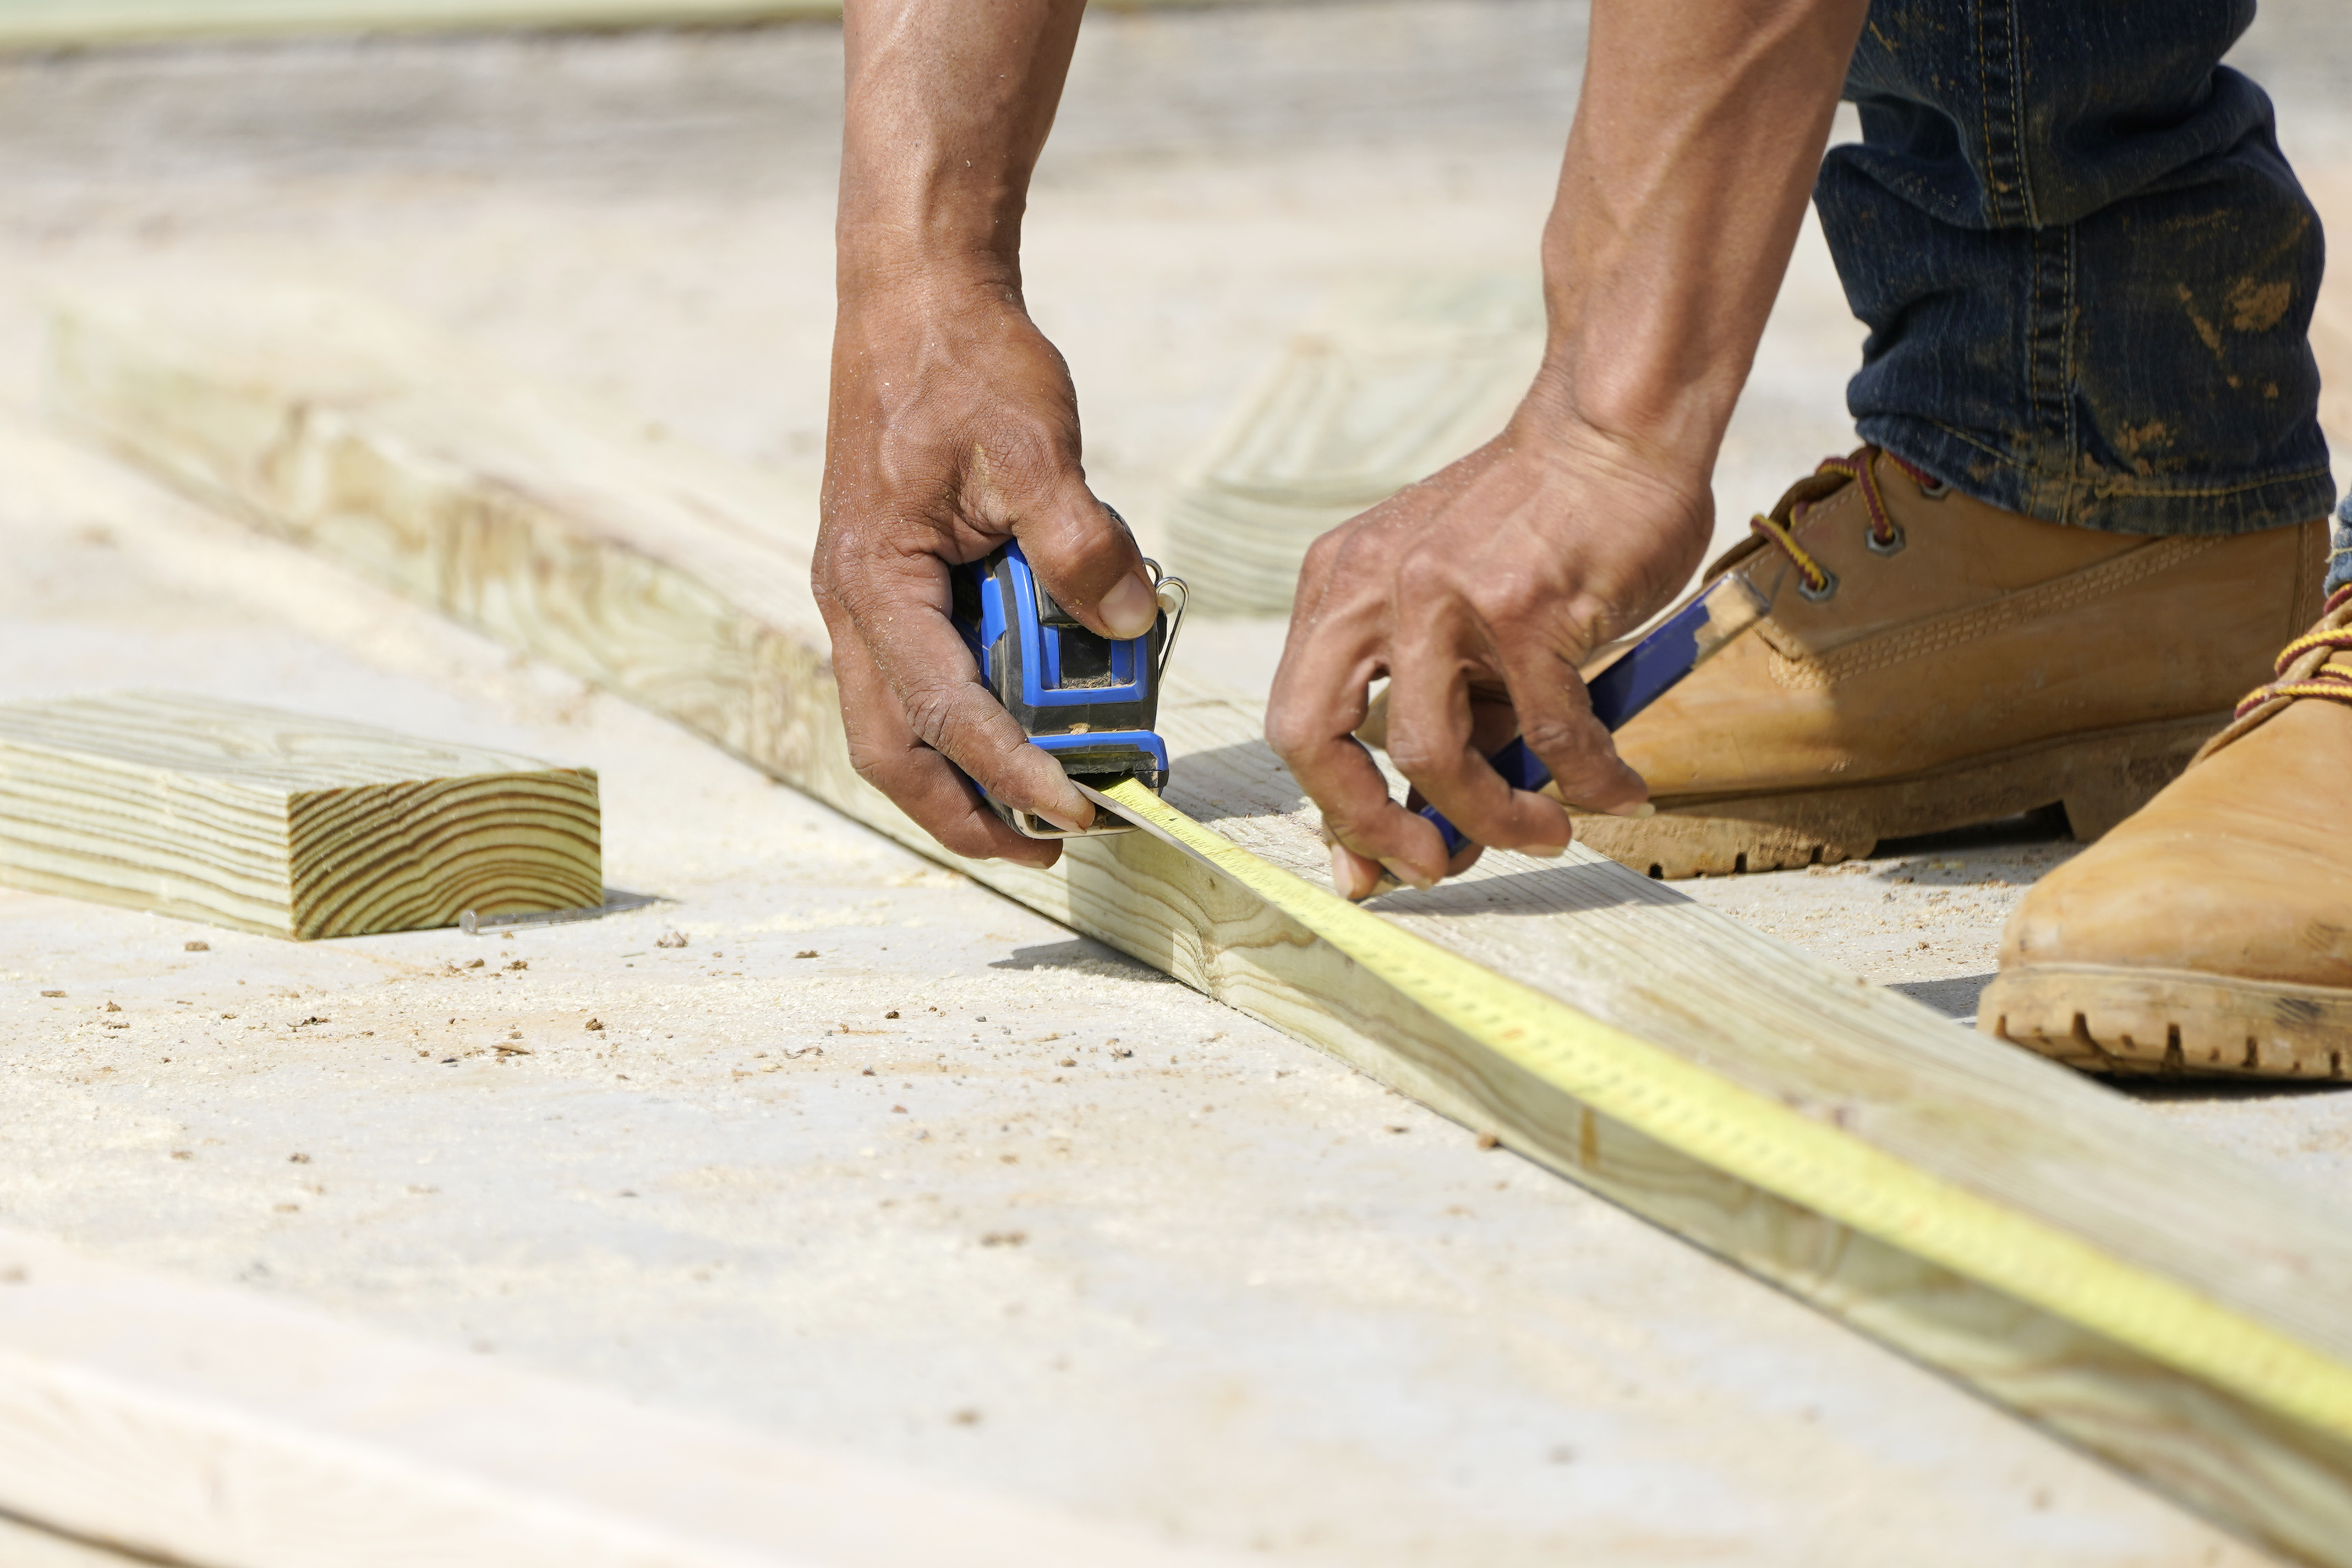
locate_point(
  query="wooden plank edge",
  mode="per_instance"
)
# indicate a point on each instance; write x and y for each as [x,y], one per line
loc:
[2148,1417]
[34,25]
[211,1424]
[1804,1160]
[65,24]
[2277,1481]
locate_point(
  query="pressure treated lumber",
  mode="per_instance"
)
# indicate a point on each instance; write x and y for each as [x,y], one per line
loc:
[1389,383]
[681,581]
[203,1425]
[36,23]
[282,823]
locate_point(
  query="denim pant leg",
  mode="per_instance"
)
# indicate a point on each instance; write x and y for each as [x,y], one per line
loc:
[2087,271]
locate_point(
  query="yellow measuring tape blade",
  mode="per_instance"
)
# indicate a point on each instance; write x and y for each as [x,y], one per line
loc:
[1747,1135]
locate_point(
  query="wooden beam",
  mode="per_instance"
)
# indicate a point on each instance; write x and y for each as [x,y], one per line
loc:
[281,823]
[197,1423]
[681,581]
[53,23]
[1389,383]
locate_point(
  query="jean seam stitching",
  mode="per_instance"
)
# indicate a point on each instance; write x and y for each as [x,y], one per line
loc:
[2067,366]
[2017,120]
[2047,372]
[1984,93]
[2007,461]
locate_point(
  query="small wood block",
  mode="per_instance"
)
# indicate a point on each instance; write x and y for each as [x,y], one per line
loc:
[282,823]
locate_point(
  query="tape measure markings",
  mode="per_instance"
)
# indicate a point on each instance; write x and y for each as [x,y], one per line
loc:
[1744,1134]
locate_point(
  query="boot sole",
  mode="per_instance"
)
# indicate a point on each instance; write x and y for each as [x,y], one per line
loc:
[2100,778]
[2104,1019]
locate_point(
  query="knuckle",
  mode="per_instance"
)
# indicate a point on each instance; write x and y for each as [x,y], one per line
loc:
[879,762]
[875,770]
[1588,619]
[1027,454]
[1418,756]
[1353,551]
[1291,735]
[1324,553]
[1558,735]
[863,582]
[1352,827]
[1502,604]
[1093,550]
[932,712]
[1511,599]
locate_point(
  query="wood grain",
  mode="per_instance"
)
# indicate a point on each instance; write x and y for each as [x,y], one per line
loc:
[202,1425]
[282,823]
[1390,383]
[35,24]
[53,22]
[681,581]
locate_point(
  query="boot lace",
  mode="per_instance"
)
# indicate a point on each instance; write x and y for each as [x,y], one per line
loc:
[1814,581]
[2316,664]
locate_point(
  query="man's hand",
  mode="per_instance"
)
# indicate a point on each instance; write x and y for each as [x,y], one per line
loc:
[1478,591]
[952,426]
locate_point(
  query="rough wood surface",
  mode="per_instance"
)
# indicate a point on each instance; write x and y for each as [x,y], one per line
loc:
[207,1426]
[283,824]
[1390,382]
[48,22]
[51,22]
[679,579]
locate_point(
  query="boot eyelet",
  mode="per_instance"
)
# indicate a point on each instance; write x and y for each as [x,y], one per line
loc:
[1895,542]
[1934,489]
[1812,595]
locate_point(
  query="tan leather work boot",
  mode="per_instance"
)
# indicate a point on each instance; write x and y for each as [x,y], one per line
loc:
[2212,932]
[1931,661]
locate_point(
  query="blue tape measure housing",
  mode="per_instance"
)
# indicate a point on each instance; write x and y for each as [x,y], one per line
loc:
[1091,701]
[1646,673]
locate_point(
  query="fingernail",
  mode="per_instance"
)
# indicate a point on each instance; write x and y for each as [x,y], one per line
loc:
[1128,609]
[1636,812]
[1546,851]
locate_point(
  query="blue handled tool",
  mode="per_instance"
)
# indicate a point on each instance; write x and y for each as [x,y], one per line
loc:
[1644,672]
[1092,703]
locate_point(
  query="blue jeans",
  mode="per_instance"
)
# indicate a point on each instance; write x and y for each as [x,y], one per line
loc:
[2087,271]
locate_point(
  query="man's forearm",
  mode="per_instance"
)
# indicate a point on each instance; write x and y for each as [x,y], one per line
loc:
[1696,142]
[952,426]
[949,106]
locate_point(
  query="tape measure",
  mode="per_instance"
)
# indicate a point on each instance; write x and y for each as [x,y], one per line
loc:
[1767,1144]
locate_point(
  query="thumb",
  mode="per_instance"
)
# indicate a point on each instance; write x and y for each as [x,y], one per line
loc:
[1083,554]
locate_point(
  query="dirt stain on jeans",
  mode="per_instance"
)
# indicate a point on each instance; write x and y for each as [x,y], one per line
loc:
[2205,329]
[2259,307]
[2133,440]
